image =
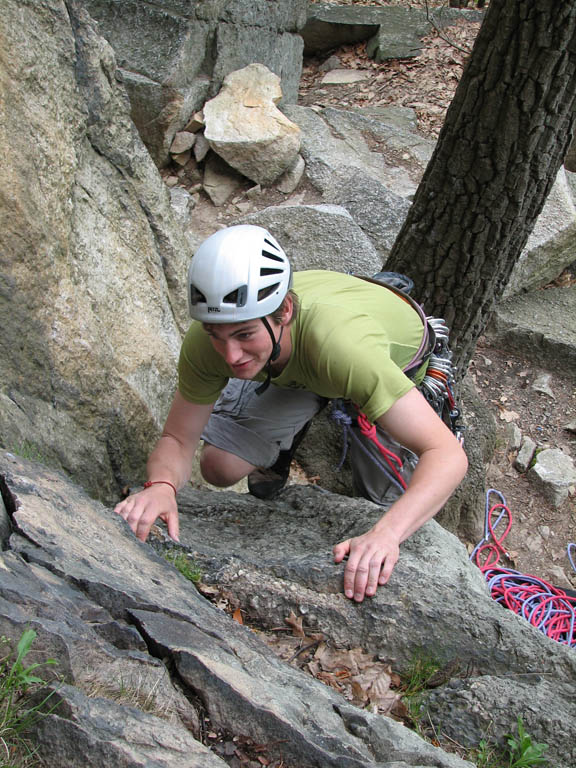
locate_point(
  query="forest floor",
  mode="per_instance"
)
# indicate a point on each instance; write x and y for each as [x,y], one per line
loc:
[540,533]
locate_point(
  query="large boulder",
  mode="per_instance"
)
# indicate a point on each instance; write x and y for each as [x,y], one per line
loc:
[551,246]
[74,549]
[245,127]
[393,32]
[540,324]
[91,299]
[174,54]
[383,145]
[319,237]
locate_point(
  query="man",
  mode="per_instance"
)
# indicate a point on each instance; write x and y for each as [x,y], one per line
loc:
[272,353]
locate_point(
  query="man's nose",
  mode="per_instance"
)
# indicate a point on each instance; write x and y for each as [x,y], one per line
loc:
[232,351]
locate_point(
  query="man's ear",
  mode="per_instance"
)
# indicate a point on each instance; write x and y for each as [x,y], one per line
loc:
[287,310]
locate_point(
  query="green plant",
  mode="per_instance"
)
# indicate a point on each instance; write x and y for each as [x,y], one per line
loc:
[524,753]
[421,669]
[27,450]
[486,755]
[16,680]
[184,563]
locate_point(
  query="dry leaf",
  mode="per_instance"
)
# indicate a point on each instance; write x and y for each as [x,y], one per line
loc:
[237,616]
[401,711]
[296,623]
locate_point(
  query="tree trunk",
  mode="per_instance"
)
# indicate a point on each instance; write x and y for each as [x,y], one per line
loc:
[502,143]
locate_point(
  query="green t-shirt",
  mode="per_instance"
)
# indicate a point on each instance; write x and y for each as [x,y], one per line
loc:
[350,339]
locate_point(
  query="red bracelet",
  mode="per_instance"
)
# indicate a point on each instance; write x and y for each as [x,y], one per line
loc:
[162,482]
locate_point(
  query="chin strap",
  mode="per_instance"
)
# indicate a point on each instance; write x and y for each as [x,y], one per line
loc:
[274,355]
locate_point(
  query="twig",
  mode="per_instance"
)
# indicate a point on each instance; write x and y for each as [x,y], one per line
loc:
[303,650]
[431,19]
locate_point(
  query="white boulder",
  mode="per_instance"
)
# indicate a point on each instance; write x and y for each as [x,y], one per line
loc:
[245,127]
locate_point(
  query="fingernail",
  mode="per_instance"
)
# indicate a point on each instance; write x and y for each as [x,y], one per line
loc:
[349,593]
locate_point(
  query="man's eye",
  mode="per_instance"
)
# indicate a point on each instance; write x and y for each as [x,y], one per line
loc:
[244,336]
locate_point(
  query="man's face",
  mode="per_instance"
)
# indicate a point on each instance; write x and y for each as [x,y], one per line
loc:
[245,346]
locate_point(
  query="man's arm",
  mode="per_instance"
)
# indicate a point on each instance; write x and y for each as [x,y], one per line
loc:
[170,461]
[442,465]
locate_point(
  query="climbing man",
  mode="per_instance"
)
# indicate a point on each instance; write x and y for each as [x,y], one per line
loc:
[266,351]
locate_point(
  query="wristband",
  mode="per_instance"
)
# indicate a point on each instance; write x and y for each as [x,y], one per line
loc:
[161,482]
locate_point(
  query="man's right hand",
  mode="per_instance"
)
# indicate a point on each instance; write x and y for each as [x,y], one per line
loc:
[142,509]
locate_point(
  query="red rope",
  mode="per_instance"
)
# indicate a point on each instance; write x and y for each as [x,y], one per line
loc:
[369,430]
[495,547]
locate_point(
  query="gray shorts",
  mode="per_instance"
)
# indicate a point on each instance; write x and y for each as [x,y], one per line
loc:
[257,427]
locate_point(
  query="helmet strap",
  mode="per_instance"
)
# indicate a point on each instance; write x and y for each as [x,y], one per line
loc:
[276,349]
[274,355]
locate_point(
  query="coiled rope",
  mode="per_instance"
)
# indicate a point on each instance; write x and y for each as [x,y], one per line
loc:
[549,609]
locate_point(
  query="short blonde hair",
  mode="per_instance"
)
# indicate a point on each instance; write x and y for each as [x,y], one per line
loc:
[279,313]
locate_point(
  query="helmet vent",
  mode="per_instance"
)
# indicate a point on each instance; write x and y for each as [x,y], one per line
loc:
[237,297]
[273,245]
[272,256]
[265,271]
[196,297]
[264,292]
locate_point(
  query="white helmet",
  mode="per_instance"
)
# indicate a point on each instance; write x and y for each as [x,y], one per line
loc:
[239,273]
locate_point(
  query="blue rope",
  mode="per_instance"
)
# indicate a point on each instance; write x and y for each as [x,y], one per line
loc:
[571,547]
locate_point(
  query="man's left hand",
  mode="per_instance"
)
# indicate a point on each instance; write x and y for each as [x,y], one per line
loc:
[371,559]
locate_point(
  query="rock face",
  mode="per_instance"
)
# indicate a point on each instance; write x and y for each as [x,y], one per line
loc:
[92,262]
[79,555]
[392,32]
[244,126]
[541,324]
[174,54]
[114,613]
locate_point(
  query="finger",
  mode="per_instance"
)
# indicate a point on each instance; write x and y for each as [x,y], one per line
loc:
[173,524]
[387,569]
[361,580]
[350,576]
[341,550]
[142,527]
[355,578]
[373,577]
[121,509]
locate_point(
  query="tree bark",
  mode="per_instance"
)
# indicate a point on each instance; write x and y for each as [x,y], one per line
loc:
[503,141]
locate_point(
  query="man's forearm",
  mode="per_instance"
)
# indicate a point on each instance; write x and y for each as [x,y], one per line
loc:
[437,475]
[170,461]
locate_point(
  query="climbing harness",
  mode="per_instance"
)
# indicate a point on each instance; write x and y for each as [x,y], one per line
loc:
[437,387]
[549,609]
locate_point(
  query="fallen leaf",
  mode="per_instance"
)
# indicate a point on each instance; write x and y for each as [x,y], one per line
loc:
[401,711]
[237,616]
[296,623]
